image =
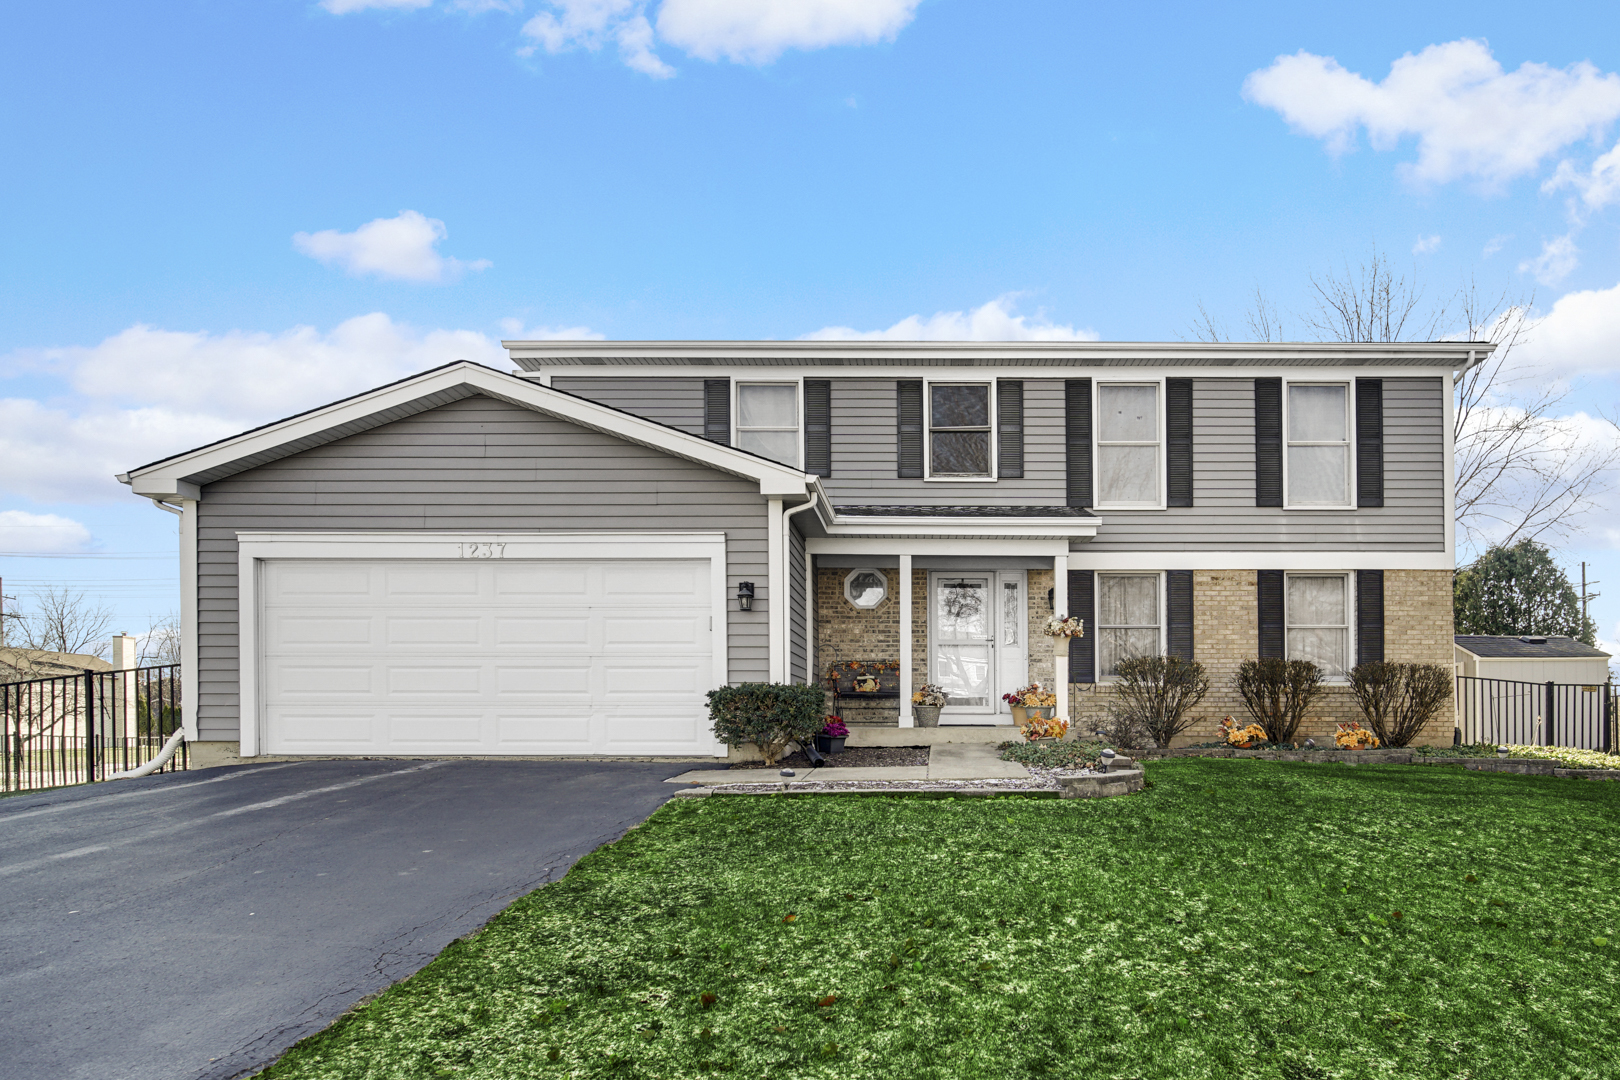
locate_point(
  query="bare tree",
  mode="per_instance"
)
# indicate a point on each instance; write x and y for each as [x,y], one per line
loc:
[65,621]
[1525,469]
[160,645]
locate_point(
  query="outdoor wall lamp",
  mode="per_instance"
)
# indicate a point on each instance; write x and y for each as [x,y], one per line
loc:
[745,595]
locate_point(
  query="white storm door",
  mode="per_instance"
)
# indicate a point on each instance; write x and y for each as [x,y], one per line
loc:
[962,628]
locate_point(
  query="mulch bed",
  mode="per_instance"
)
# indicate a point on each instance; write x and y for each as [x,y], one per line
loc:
[854,757]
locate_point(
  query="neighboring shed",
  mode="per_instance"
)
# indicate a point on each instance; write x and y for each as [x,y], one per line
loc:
[1531,659]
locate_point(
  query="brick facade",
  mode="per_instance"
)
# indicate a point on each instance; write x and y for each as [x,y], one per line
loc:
[846,632]
[1417,629]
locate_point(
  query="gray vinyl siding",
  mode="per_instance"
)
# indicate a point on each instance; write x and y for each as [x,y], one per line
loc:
[797,665]
[865,446]
[480,465]
[1224,517]
[676,402]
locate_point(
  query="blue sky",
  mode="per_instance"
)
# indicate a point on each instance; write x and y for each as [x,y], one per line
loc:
[186,188]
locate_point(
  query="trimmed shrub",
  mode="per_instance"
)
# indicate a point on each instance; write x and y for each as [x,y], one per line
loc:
[1398,699]
[1153,697]
[1278,693]
[769,715]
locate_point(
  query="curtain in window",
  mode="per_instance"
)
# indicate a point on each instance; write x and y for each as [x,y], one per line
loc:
[1318,627]
[768,421]
[1318,446]
[1127,618]
[1127,415]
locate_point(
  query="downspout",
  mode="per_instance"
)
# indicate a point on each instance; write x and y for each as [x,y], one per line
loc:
[1472,363]
[787,597]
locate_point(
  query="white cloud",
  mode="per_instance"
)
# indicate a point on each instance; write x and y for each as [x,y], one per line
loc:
[1494,244]
[1598,186]
[1470,118]
[1580,334]
[514,330]
[403,247]
[478,7]
[989,322]
[590,24]
[23,532]
[1426,245]
[346,7]
[145,393]
[758,31]
[1558,257]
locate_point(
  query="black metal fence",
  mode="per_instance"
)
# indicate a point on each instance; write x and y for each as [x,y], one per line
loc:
[75,729]
[1535,714]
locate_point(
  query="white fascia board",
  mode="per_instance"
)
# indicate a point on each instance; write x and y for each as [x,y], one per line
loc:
[163,486]
[162,478]
[1089,559]
[935,545]
[1329,369]
[986,527]
[597,356]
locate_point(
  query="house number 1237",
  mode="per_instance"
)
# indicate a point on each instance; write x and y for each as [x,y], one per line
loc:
[483,551]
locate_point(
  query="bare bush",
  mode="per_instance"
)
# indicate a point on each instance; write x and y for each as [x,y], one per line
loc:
[63,620]
[1397,700]
[1154,695]
[1278,693]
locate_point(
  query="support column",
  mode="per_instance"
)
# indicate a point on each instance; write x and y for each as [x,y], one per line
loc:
[1060,646]
[776,591]
[190,690]
[811,675]
[904,585]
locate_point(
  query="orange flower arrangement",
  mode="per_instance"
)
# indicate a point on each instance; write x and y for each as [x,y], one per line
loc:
[1045,729]
[1243,738]
[1353,736]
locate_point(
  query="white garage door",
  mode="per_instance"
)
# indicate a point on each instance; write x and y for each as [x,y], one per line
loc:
[486,657]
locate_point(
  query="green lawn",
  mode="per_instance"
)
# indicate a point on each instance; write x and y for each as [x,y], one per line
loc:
[1237,919]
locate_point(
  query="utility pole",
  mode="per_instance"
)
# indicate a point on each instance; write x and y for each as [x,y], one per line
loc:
[1586,595]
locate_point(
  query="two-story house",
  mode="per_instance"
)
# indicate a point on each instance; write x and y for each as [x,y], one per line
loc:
[563,560]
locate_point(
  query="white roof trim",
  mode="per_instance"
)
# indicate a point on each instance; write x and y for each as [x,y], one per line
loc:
[167,477]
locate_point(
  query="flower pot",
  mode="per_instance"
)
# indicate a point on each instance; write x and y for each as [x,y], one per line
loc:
[925,715]
[830,744]
[1047,741]
[1023,714]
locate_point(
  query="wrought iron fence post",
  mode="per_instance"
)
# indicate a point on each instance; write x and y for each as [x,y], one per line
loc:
[89,726]
[1608,718]
[1550,736]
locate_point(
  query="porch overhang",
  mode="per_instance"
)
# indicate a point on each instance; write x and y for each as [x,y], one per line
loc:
[1054,525]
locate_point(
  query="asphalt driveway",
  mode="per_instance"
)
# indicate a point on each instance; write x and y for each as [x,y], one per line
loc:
[195,925]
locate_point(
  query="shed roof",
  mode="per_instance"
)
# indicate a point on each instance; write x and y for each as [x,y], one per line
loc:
[1528,647]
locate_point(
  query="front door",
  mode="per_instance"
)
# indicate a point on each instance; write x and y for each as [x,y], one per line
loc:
[963,629]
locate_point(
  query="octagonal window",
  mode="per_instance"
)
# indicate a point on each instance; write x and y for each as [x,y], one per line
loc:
[866,588]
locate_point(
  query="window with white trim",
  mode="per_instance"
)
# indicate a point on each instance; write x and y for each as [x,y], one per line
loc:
[768,421]
[866,588]
[959,431]
[1129,620]
[1129,454]
[1318,460]
[1317,610]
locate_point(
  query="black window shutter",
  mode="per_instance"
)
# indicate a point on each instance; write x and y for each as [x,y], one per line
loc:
[909,394]
[818,427]
[1369,616]
[1082,605]
[1369,442]
[717,410]
[1178,446]
[1178,604]
[1010,428]
[1270,591]
[1077,441]
[1268,445]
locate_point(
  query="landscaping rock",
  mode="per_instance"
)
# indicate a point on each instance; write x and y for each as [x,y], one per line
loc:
[1099,785]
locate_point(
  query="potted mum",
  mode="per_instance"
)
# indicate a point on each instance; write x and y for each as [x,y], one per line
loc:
[1031,703]
[832,735]
[926,703]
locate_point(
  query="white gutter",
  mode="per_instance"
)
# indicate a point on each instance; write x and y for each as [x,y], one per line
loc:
[1466,368]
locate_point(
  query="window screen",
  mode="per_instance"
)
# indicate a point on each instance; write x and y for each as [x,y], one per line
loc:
[768,421]
[1318,445]
[1318,621]
[959,429]
[1128,445]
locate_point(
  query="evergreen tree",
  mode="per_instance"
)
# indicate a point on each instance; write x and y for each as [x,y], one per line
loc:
[1518,590]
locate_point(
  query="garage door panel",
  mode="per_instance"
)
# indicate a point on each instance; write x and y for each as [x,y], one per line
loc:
[292,631]
[492,657]
[551,630]
[438,631]
[557,682]
[431,581]
[438,681]
[322,680]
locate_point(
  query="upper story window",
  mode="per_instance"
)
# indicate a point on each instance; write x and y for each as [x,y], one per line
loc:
[1129,455]
[1128,621]
[959,431]
[1317,464]
[768,421]
[1318,616]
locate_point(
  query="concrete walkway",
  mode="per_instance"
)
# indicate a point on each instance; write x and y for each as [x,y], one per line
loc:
[946,761]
